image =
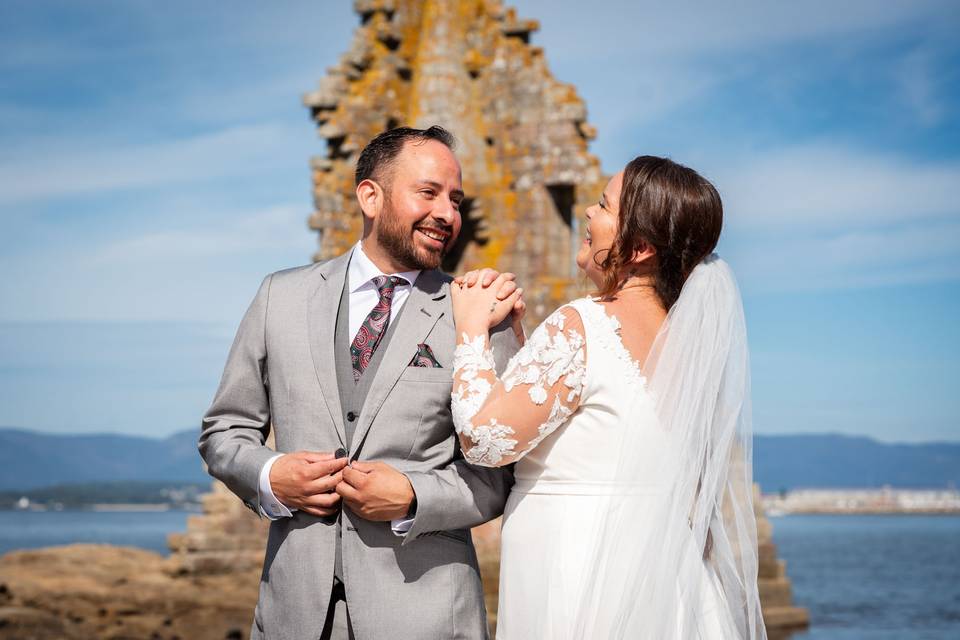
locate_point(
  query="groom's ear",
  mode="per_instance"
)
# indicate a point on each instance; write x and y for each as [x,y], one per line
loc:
[370,195]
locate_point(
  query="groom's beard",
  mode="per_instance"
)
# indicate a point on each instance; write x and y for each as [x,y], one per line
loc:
[399,242]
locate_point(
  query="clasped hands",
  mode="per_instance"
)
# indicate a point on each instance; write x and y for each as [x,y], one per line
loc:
[477,309]
[316,482]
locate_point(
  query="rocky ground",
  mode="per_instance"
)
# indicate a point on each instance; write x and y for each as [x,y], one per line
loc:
[99,591]
[85,591]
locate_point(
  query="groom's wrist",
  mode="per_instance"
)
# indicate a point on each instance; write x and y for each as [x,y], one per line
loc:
[412,506]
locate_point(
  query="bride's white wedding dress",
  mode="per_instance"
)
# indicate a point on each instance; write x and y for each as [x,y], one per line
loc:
[582,526]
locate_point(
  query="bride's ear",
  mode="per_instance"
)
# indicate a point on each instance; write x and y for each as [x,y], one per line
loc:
[644,253]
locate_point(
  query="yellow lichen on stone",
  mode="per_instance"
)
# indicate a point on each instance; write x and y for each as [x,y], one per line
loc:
[467,65]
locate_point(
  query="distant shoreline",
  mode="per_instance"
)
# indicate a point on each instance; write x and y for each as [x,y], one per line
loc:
[106,508]
[829,512]
[884,501]
[131,507]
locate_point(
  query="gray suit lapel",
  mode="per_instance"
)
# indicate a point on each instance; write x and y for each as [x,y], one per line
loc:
[322,321]
[344,365]
[420,313]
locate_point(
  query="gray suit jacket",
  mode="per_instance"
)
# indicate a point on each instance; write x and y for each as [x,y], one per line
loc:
[281,374]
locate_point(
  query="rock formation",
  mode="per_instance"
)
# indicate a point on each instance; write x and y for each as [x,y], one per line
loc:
[227,538]
[776,592]
[466,65]
[85,591]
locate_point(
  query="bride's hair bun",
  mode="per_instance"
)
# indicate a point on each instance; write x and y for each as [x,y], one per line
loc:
[671,207]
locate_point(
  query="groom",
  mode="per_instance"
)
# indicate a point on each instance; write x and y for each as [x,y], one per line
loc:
[350,361]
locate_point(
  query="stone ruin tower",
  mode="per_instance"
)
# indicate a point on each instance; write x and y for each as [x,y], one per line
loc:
[522,136]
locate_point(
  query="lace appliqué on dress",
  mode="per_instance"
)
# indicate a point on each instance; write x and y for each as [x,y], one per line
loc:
[553,362]
[548,356]
[473,368]
[610,339]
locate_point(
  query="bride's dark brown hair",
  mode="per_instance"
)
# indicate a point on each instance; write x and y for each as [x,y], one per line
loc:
[674,209]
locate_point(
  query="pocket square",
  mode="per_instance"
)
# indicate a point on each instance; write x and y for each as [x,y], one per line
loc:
[424,357]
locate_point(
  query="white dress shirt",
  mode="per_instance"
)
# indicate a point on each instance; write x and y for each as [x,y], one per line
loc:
[363,297]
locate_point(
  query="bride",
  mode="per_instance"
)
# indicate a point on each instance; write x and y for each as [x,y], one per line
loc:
[627,415]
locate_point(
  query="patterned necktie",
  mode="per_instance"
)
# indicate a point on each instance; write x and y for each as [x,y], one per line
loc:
[374,326]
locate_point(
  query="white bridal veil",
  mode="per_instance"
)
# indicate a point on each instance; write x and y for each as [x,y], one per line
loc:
[687,567]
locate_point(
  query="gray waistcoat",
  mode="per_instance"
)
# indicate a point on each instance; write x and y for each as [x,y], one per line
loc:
[353,394]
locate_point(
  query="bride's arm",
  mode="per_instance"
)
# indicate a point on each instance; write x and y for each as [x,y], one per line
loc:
[499,420]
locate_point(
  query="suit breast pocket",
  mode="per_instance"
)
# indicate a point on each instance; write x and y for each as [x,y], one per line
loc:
[419,410]
[427,374]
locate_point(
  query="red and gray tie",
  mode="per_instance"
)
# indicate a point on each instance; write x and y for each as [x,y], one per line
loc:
[374,326]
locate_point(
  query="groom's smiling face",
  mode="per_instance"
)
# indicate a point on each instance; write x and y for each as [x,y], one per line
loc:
[419,218]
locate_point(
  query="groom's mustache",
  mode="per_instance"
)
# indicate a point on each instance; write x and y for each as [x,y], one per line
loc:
[444,230]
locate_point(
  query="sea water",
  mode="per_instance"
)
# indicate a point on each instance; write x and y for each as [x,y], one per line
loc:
[35,529]
[885,577]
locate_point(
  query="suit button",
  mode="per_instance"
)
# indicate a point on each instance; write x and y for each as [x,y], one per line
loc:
[351,416]
[340,453]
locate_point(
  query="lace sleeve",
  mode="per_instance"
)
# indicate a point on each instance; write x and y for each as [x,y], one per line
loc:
[500,421]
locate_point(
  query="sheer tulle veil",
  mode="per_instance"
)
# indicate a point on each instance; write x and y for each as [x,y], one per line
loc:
[689,568]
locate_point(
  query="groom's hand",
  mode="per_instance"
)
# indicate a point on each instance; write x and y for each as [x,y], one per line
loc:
[376,491]
[307,480]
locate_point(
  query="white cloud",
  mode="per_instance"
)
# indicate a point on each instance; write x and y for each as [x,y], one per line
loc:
[206,271]
[85,165]
[825,217]
[99,33]
[804,261]
[642,66]
[823,186]
[687,27]
[278,227]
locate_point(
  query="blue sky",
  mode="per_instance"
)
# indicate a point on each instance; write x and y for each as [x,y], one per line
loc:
[154,166]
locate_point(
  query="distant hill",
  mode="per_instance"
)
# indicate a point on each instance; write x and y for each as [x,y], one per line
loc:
[848,462]
[30,460]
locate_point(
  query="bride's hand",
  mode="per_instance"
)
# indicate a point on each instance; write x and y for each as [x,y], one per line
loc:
[481,300]
[485,277]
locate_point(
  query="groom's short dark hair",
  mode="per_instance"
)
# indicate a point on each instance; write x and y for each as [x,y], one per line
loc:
[378,156]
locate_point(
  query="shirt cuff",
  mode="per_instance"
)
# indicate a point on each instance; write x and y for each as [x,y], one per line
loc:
[270,506]
[401,526]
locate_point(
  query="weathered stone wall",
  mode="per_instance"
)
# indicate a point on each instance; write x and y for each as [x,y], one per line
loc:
[522,135]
